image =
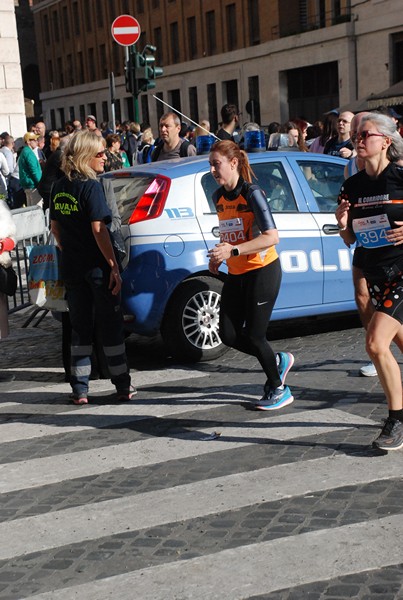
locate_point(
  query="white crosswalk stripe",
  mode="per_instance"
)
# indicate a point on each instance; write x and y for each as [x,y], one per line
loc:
[256,567]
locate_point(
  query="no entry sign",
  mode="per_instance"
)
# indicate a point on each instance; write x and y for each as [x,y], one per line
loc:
[125,30]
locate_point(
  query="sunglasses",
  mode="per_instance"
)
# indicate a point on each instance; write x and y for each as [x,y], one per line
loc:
[100,154]
[364,135]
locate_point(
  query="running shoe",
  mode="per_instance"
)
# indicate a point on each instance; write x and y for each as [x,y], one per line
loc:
[125,395]
[285,362]
[391,436]
[368,370]
[275,399]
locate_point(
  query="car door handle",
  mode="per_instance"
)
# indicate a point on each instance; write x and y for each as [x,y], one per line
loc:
[330,229]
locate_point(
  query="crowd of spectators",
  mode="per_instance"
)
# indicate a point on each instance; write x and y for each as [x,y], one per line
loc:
[30,165]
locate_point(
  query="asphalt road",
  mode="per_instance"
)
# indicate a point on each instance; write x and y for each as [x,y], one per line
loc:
[186,492]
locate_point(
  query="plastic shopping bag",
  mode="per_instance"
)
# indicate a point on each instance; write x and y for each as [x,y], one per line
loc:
[45,287]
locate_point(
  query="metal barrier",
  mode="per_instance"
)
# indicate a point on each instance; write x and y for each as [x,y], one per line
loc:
[31,230]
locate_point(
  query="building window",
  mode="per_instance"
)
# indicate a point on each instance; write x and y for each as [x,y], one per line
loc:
[311,90]
[140,6]
[231,26]
[69,71]
[113,10]
[118,110]
[66,24]
[60,72]
[92,109]
[102,60]
[71,113]
[91,65]
[173,28]
[322,13]
[88,16]
[80,73]
[253,105]
[117,59]
[192,38]
[159,106]
[76,18]
[145,115]
[254,27]
[82,113]
[105,113]
[62,118]
[212,106]
[159,57]
[211,33]
[125,7]
[130,108]
[100,14]
[397,57]
[50,74]
[231,91]
[175,99]
[193,104]
[46,30]
[52,118]
[55,23]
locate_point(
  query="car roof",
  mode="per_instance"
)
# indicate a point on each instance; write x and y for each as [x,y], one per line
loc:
[180,167]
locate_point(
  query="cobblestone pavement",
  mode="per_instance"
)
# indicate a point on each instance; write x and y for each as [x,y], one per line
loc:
[186,492]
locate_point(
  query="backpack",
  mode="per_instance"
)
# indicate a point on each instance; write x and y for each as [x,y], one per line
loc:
[144,155]
[183,150]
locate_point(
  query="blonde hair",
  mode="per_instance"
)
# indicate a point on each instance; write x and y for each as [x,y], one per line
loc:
[201,128]
[231,150]
[147,136]
[54,140]
[80,149]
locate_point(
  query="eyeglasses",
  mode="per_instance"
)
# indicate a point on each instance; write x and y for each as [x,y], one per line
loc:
[100,154]
[364,135]
[343,121]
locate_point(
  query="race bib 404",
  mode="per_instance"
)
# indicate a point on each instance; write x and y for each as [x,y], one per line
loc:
[371,231]
[232,230]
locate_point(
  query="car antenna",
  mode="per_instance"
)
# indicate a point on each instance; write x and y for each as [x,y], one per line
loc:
[185,117]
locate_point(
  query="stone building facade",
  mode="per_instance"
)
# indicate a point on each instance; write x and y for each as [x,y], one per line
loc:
[12,108]
[291,57]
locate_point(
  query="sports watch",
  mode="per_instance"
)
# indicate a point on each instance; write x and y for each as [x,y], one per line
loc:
[235,251]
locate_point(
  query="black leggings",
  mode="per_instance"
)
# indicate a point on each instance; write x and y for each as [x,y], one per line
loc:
[247,302]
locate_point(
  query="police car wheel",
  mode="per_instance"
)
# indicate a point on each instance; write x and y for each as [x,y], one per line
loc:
[190,326]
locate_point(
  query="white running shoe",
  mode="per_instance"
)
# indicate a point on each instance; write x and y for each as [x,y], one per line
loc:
[368,370]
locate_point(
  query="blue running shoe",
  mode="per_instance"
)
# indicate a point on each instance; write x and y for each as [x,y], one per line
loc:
[275,399]
[285,362]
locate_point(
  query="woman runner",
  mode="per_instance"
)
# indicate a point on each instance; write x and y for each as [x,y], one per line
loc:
[248,237]
[371,211]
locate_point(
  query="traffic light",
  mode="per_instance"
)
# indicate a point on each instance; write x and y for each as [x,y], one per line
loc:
[129,74]
[145,72]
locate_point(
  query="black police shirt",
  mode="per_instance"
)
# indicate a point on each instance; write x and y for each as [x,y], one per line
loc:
[75,205]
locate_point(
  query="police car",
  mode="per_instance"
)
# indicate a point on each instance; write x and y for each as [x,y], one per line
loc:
[169,223]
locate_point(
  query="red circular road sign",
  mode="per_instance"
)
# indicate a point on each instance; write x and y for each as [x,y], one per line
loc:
[125,30]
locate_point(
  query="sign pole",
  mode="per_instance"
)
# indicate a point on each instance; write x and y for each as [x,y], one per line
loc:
[112,97]
[126,31]
[132,52]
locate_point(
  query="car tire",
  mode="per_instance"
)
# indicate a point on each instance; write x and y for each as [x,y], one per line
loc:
[190,325]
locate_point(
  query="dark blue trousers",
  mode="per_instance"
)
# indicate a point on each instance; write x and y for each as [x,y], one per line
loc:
[90,299]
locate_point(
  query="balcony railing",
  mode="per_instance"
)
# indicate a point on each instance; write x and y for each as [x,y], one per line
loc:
[288,26]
